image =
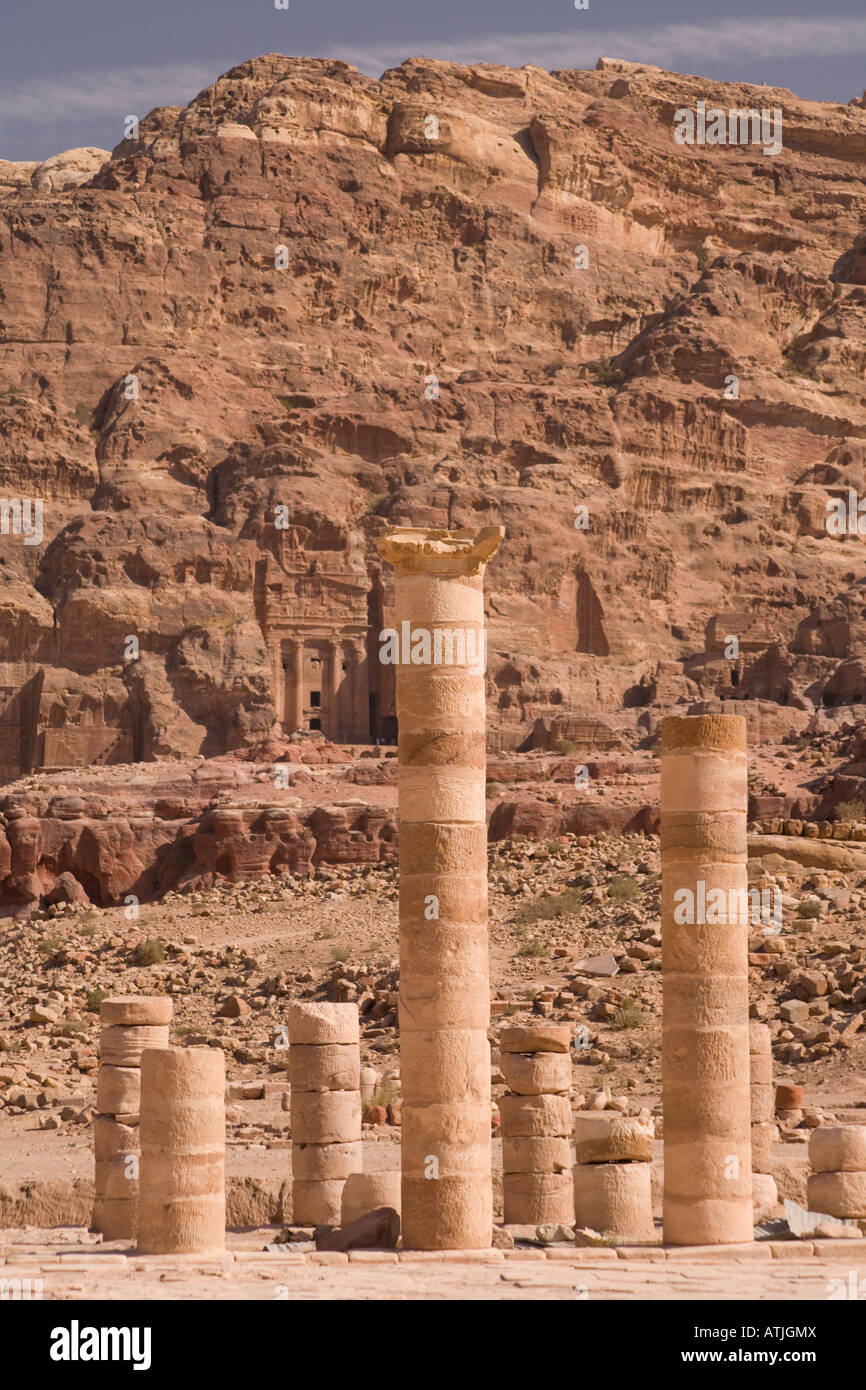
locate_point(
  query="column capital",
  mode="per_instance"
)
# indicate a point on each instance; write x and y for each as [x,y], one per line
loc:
[419,550]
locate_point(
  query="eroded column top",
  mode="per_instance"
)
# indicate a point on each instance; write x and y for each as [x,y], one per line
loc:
[422,550]
[724,733]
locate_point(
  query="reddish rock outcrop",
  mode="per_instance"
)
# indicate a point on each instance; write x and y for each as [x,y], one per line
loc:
[299,310]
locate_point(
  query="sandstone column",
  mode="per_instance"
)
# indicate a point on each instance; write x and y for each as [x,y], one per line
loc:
[837,1183]
[129,1025]
[537,1124]
[365,1192]
[705,1031]
[359,702]
[182,1200]
[789,1103]
[764,1130]
[297,684]
[324,1072]
[334,677]
[444,969]
[613,1175]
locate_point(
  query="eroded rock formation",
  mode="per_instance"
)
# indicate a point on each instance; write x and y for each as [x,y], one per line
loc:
[234,350]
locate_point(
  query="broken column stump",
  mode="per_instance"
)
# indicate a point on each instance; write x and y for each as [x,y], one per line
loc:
[765,1132]
[130,1023]
[324,1072]
[613,1175]
[182,1201]
[536,1125]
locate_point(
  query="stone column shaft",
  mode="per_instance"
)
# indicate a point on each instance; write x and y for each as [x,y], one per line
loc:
[335,676]
[130,1024]
[296,678]
[324,1072]
[705,1033]
[444,968]
[182,1200]
[536,1128]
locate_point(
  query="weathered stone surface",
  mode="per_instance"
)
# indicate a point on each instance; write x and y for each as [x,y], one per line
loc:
[375,1230]
[136,1011]
[601,1138]
[322,1025]
[365,1192]
[789,1096]
[182,1203]
[838,1149]
[765,1196]
[837,1194]
[121,1046]
[536,1115]
[537,1073]
[541,1037]
[705,1027]
[615,1199]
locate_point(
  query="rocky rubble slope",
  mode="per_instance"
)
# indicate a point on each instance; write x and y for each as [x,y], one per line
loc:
[105,836]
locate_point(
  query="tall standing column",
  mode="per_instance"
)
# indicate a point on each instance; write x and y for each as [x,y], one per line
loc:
[440,652]
[297,687]
[358,717]
[705,1032]
[335,676]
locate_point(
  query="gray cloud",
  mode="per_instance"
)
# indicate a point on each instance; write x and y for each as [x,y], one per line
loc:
[665,45]
[118,93]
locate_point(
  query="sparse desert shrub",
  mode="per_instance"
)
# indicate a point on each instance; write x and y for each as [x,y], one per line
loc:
[605,373]
[629,1015]
[565,745]
[150,952]
[850,811]
[72,1027]
[384,1094]
[551,906]
[811,907]
[623,888]
[533,947]
[48,945]
[94,999]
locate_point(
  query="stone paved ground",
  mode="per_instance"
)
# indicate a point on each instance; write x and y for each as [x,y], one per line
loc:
[72,1267]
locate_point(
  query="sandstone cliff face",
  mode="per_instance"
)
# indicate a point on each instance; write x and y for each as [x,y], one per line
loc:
[217,441]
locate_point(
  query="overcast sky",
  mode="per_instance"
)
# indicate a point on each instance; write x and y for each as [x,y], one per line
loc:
[71,70]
